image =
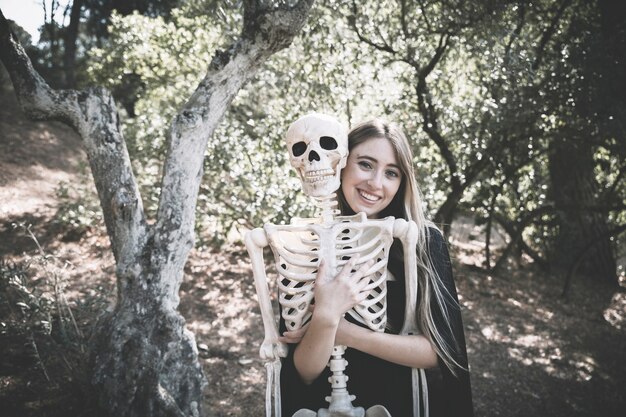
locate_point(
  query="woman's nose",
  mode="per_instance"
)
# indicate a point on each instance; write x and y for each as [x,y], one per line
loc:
[375,180]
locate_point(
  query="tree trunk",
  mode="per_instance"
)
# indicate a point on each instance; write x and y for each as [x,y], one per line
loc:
[445,214]
[69,41]
[574,190]
[145,363]
[574,187]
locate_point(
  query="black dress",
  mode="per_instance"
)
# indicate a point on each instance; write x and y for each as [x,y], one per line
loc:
[376,381]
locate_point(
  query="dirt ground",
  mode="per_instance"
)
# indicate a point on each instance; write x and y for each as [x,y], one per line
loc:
[532,352]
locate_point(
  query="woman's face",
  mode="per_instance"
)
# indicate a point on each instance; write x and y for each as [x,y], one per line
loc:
[371,177]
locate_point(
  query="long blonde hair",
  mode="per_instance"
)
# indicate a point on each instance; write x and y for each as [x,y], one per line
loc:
[407,204]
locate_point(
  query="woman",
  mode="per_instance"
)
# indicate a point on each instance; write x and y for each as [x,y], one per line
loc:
[379,181]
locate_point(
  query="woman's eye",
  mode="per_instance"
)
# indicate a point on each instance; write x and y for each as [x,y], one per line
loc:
[393,174]
[365,164]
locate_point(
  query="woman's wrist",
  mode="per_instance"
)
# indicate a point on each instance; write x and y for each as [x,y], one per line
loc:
[325,318]
[349,333]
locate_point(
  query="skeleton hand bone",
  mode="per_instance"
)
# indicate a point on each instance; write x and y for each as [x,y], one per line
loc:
[272,349]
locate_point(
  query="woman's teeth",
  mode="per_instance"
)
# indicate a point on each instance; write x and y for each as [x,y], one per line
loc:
[368,196]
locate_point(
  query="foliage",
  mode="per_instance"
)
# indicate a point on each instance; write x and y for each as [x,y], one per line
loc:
[78,211]
[25,309]
[482,88]
[245,160]
[34,306]
[508,83]
[547,59]
[100,12]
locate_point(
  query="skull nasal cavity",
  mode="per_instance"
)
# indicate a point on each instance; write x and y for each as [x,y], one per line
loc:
[327,142]
[313,156]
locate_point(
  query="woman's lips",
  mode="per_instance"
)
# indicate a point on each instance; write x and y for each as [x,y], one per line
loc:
[371,198]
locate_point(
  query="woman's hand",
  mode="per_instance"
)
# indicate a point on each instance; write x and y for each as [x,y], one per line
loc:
[333,297]
[294,336]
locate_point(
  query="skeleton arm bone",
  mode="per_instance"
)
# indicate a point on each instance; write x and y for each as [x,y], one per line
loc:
[407,233]
[271,348]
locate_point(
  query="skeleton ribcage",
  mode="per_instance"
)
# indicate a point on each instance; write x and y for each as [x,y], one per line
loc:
[299,247]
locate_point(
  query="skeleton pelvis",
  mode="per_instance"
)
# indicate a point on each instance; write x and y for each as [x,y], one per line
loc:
[375,411]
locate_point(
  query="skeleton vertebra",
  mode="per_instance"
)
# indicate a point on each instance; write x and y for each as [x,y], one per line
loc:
[318,147]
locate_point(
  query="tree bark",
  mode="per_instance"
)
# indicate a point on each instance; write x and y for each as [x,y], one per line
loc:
[145,363]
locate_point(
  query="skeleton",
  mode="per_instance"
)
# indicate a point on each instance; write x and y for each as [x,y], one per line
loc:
[318,149]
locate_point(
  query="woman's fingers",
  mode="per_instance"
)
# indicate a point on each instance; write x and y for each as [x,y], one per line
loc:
[348,267]
[346,272]
[321,273]
[359,275]
[338,294]
[294,336]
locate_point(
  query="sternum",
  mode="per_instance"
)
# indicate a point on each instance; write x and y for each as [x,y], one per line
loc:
[328,251]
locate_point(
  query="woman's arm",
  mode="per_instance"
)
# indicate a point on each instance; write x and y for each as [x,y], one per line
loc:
[414,351]
[314,350]
[333,297]
[328,328]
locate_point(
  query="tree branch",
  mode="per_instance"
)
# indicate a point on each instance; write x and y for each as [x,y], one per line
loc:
[265,31]
[429,113]
[93,115]
[516,32]
[385,47]
[547,35]
[515,231]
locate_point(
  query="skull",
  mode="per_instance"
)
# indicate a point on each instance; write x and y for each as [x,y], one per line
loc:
[318,150]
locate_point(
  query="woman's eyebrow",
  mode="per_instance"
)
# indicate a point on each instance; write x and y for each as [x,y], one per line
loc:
[370,158]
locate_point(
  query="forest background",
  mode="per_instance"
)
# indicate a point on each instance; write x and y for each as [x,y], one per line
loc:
[516,112]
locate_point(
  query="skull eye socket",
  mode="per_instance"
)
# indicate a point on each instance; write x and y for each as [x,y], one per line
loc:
[298,148]
[328,143]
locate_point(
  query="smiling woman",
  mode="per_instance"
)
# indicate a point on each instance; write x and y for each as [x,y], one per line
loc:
[379,180]
[372,177]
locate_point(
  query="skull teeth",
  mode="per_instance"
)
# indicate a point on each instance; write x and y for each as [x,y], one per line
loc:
[318,175]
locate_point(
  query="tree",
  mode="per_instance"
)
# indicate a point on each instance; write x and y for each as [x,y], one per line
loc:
[324,70]
[85,23]
[144,360]
[523,124]
[562,192]
[70,38]
[596,120]
[423,36]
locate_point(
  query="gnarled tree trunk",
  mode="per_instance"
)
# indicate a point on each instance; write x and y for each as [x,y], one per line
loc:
[145,363]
